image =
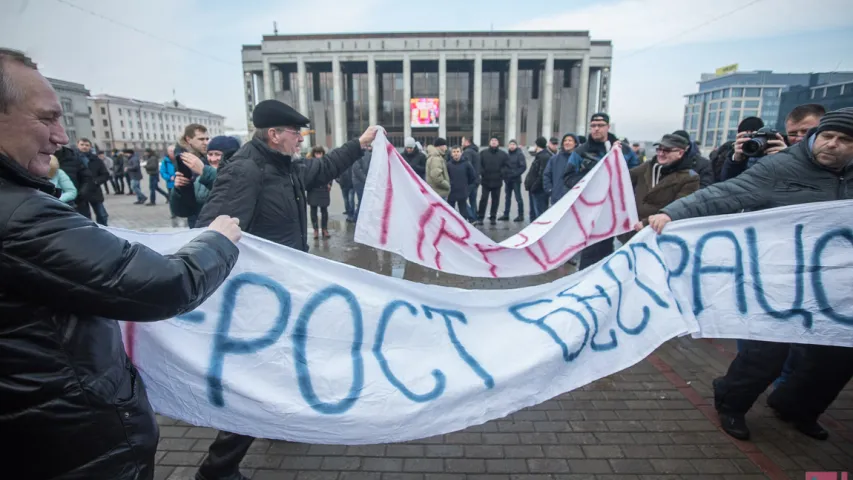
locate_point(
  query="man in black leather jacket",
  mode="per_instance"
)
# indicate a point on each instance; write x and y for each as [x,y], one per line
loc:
[72,406]
[265,188]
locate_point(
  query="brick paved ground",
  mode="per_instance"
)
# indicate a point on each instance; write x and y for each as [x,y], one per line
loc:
[654,420]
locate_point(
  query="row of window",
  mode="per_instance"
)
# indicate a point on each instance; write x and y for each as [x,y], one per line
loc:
[174,118]
[734,92]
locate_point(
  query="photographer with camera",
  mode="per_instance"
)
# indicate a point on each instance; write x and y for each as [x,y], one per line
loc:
[749,147]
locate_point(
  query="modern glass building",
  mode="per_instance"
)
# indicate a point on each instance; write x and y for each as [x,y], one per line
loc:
[711,116]
[515,85]
[832,96]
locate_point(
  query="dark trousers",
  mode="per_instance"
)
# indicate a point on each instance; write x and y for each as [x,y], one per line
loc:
[324,217]
[107,184]
[118,182]
[129,184]
[513,187]
[812,387]
[495,193]
[100,211]
[595,253]
[224,456]
[462,207]
[538,204]
[154,187]
[472,202]
[349,201]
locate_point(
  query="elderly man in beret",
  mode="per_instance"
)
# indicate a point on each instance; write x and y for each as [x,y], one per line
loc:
[264,187]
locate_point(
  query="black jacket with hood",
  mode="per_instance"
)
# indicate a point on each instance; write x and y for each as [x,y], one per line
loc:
[533,181]
[72,406]
[515,167]
[495,163]
[417,160]
[471,153]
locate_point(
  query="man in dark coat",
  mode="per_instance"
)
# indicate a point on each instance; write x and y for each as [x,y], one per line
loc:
[265,189]
[818,169]
[72,405]
[471,153]
[533,181]
[724,152]
[345,181]
[696,161]
[415,157]
[582,161]
[80,175]
[100,176]
[513,170]
[133,169]
[494,162]
[462,179]
[360,170]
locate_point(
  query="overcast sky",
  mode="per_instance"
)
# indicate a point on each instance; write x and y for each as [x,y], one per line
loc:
[147,48]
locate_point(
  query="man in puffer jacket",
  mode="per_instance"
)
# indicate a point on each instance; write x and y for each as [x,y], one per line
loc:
[436,168]
[817,169]
[494,162]
[512,173]
[72,405]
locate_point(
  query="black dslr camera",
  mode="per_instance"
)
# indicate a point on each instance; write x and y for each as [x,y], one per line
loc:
[758,141]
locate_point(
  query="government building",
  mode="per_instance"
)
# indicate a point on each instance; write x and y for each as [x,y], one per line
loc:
[513,85]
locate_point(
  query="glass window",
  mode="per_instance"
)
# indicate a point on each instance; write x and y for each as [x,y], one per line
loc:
[726,93]
[121,123]
[732,135]
[737,103]
[737,92]
[750,104]
[771,92]
[724,104]
[717,94]
[714,106]
[105,123]
[712,119]
[721,120]
[752,92]
[103,111]
[734,118]
[107,134]
[750,113]
[119,111]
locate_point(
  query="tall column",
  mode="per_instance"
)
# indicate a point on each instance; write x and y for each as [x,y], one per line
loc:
[302,87]
[277,81]
[268,91]
[583,95]
[372,102]
[513,98]
[592,101]
[442,94]
[249,97]
[340,134]
[478,98]
[548,97]
[407,95]
[604,90]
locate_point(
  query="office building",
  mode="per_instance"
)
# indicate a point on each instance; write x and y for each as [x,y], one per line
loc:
[76,116]
[711,116]
[129,123]
[515,85]
[832,96]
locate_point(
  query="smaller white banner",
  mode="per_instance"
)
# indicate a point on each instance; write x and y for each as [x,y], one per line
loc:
[400,213]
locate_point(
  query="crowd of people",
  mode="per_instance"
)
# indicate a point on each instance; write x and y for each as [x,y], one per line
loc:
[75,405]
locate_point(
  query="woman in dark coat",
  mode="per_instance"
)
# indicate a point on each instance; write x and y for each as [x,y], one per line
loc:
[319,197]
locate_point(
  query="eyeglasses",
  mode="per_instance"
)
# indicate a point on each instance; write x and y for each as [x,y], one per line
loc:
[295,132]
[597,125]
[665,150]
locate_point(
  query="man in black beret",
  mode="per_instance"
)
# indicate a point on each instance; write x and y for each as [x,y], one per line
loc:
[264,186]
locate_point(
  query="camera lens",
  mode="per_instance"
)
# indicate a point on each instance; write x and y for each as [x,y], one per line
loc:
[754,146]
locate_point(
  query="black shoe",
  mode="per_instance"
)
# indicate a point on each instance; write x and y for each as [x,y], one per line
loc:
[492,221]
[149,204]
[735,426]
[505,218]
[812,429]
[236,476]
[518,219]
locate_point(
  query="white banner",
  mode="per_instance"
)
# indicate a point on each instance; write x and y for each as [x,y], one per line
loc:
[301,348]
[400,213]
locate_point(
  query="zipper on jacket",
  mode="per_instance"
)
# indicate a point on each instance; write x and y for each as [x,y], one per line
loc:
[841,193]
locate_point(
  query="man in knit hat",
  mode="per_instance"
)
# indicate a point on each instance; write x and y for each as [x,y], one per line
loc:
[816,169]
[415,157]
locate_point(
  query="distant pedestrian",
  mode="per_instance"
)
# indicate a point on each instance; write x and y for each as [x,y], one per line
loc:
[133,169]
[537,196]
[462,179]
[514,169]
[414,156]
[319,198]
[436,168]
[359,175]
[152,169]
[494,162]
